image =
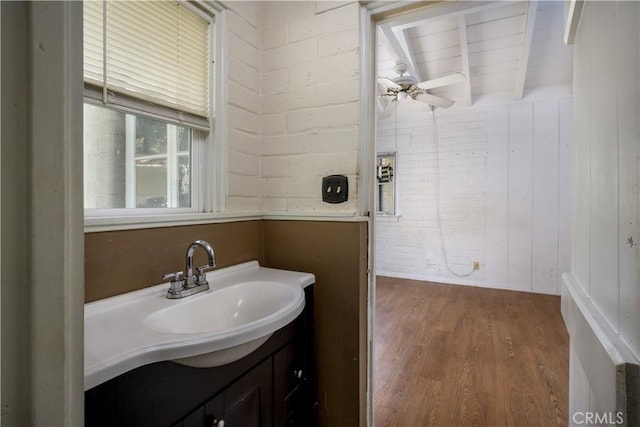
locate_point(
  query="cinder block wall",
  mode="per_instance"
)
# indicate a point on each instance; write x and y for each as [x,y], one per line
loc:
[310,103]
[243,94]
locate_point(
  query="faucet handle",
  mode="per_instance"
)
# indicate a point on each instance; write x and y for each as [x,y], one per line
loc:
[204,268]
[177,282]
[202,277]
[175,277]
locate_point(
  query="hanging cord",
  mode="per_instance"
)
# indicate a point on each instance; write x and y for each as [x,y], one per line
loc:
[441,233]
[396,123]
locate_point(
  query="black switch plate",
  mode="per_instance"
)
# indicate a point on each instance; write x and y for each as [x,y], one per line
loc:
[335,189]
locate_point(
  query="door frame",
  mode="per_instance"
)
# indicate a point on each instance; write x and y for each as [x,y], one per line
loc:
[372,15]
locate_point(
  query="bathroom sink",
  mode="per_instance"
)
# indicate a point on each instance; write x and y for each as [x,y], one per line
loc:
[229,310]
[248,309]
[243,307]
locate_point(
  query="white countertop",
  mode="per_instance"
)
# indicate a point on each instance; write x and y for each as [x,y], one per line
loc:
[117,339]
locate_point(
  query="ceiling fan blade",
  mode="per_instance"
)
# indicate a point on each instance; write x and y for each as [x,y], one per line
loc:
[388,83]
[384,100]
[449,79]
[382,89]
[436,101]
[388,110]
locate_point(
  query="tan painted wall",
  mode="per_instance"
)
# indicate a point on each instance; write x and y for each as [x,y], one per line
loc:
[336,252]
[123,261]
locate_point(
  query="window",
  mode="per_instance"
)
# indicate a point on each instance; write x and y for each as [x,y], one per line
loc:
[136,162]
[148,114]
[385,171]
[159,164]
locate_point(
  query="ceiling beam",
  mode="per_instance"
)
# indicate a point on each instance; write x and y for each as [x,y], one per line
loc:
[521,74]
[399,49]
[401,35]
[445,10]
[383,9]
[573,18]
[464,52]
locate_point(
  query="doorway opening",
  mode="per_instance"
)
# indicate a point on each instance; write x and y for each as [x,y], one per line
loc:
[478,191]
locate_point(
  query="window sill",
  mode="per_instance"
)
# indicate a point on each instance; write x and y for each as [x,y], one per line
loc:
[113,223]
[95,224]
[387,218]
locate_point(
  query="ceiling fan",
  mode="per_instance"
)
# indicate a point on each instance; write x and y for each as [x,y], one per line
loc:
[407,86]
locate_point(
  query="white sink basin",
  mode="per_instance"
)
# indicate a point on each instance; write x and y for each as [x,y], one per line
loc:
[230,309]
[248,308]
[244,306]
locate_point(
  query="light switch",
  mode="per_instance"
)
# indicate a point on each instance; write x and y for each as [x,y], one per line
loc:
[335,189]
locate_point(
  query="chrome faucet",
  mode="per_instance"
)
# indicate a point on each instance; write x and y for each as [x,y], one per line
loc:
[181,286]
[201,278]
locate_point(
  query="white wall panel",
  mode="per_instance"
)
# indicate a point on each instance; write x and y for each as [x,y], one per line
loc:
[544,263]
[579,389]
[499,185]
[565,160]
[627,72]
[520,221]
[581,195]
[498,192]
[606,205]
[603,128]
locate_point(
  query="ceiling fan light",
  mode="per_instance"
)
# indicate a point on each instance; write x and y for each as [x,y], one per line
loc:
[402,95]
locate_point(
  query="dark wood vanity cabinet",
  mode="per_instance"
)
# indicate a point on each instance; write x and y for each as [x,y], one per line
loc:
[273,386]
[291,391]
[247,402]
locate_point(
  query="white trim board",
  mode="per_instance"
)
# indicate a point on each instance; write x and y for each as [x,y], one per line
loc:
[605,357]
[574,13]
[57,245]
[99,224]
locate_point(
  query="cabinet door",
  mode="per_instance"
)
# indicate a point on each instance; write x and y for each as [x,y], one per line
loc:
[194,419]
[288,377]
[246,402]
[213,411]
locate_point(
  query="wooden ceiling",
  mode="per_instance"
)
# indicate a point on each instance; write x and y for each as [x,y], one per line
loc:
[505,48]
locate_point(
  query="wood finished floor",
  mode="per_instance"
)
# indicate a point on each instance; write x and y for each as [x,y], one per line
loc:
[454,356]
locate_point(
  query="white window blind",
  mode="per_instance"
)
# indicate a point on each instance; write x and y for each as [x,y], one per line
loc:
[150,57]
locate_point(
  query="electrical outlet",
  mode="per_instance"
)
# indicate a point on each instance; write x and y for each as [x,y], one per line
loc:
[476,265]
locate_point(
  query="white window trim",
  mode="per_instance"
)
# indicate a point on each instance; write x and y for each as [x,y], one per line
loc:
[216,193]
[211,198]
[130,164]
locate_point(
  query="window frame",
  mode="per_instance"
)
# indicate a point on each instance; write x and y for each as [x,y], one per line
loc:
[208,157]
